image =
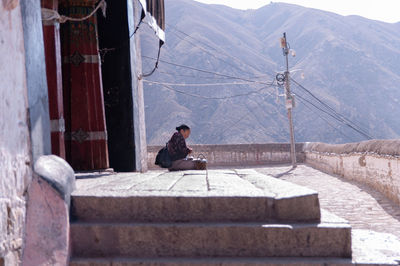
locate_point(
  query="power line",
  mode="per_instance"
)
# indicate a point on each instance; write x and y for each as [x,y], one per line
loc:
[209,46]
[208,52]
[214,98]
[196,84]
[326,121]
[221,49]
[340,116]
[335,117]
[210,72]
[192,76]
[234,124]
[204,77]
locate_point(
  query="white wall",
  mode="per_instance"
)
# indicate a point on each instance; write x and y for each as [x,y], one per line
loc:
[15,169]
[375,163]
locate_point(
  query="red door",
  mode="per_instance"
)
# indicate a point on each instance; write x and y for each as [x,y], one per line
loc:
[51,36]
[86,135]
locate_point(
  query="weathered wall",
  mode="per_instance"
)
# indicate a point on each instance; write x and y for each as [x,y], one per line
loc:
[375,163]
[239,154]
[15,169]
[36,78]
[139,125]
[46,240]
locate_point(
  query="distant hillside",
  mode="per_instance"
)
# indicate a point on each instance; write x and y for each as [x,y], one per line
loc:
[351,63]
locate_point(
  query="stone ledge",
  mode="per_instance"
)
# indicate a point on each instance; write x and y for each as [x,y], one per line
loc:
[238,154]
[267,147]
[241,195]
[381,147]
[58,173]
[223,261]
[211,240]
[47,228]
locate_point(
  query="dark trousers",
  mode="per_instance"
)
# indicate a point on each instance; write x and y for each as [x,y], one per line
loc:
[182,164]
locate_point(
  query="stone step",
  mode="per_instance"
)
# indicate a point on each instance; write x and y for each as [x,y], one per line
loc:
[194,209]
[210,240]
[194,196]
[224,262]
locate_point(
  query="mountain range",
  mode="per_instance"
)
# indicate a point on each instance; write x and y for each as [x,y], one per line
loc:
[348,68]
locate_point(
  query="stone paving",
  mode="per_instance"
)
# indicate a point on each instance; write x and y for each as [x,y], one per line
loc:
[362,206]
[370,213]
[374,218]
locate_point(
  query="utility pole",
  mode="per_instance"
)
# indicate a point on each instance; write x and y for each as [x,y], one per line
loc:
[289,99]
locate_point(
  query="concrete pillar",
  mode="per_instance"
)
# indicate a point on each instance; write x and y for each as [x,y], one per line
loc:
[137,89]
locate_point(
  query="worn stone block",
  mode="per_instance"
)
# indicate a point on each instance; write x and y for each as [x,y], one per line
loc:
[211,240]
[47,226]
[58,173]
[167,209]
[231,195]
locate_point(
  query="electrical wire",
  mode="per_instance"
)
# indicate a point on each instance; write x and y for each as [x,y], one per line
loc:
[191,76]
[203,77]
[214,98]
[197,84]
[326,121]
[207,51]
[210,72]
[222,50]
[157,61]
[334,117]
[340,116]
[105,50]
[234,124]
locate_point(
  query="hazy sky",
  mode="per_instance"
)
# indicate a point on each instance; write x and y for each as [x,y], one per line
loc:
[384,10]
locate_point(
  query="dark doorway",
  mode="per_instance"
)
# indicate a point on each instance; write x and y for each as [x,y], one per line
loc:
[114,48]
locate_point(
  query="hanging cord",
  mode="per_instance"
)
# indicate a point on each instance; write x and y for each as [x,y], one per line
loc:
[137,27]
[156,65]
[52,15]
[105,50]
[142,16]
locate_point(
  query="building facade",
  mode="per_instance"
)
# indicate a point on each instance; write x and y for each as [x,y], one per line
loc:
[60,95]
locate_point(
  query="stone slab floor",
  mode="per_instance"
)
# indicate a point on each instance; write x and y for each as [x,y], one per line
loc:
[375,219]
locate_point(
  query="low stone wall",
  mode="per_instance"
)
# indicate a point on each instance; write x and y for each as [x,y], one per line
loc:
[46,239]
[238,154]
[375,163]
